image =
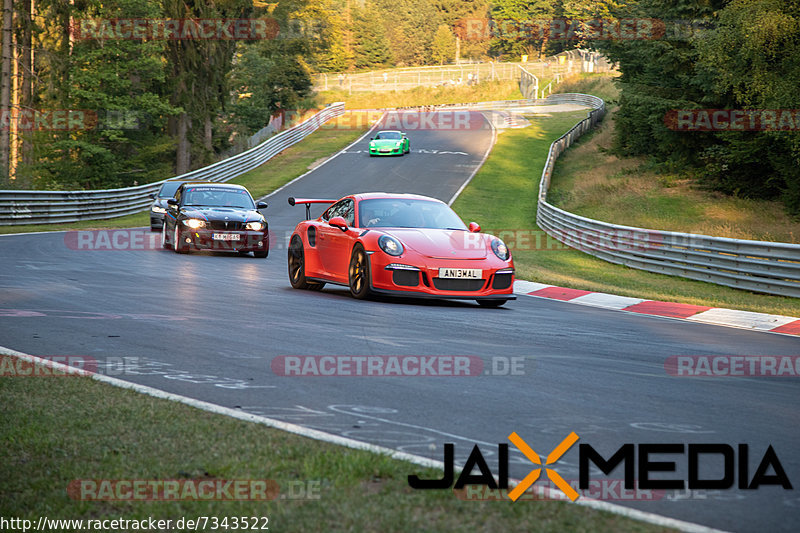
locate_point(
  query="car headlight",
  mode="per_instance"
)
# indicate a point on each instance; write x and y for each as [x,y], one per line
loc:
[255,226]
[195,223]
[157,209]
[398,143]
[500,249]
[390,245]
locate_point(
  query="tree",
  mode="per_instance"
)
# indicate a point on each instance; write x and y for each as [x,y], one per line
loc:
[5,92]
[516,27]
[121,85]
[199,78]
[410,26]
[330,44]
[371,43]
[266,78]
[444,46]
[751,60]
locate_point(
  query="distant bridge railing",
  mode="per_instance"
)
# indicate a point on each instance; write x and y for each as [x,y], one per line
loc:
[51,207]
[760,266]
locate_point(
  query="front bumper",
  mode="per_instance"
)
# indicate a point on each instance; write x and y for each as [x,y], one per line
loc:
[394,275]
[386,151]
[248,241]
[156,220]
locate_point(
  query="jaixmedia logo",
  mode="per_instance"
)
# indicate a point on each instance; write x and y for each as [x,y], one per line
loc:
[635,459]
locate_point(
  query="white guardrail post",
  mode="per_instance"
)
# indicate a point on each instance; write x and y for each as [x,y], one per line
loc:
[759,266]
[50,207]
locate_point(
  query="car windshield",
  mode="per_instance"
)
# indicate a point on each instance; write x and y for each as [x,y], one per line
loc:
[168,189]
[407,213]
[218,197]
[388,136]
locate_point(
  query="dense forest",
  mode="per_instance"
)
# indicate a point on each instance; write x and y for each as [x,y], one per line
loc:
[98,103]
[729,54]
[101,104]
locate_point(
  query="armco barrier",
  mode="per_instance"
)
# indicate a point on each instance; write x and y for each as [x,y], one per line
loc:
[50,207]
[760,266]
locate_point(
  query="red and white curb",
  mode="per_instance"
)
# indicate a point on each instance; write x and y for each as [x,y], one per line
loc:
[787,325]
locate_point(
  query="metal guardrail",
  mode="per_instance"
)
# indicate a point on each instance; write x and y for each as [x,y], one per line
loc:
[50,207]
[760,266]
[528,83]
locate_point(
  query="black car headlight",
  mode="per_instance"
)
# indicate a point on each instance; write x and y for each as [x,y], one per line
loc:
[500,249]
[390,245]
[255,226]
[195,223]
[158,209]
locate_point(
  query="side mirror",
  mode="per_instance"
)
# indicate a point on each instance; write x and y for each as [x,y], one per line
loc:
[474,227]
[261,205]
[172,201]
[338,222]
[152,195]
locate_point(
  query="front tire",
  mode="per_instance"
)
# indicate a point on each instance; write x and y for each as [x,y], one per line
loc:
[491,303]
[358,273]
[179,246]
[164,243]
[297,267]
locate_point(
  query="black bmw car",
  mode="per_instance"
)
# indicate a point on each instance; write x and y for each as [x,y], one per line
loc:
[215,216]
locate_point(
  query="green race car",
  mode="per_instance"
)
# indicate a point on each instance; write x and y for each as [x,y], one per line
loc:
[389,143]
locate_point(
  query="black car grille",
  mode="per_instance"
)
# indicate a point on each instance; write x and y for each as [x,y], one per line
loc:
[447,284]
[226,225]
[502,281]
[406,278]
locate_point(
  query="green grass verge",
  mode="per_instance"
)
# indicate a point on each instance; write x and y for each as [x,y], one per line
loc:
[419,96]
[502,197]
[279,170]
[57,430]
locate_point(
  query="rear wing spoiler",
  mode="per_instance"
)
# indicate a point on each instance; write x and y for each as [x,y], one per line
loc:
[308,201]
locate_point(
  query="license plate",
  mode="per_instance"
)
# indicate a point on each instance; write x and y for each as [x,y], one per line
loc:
[460,273]
[226,236]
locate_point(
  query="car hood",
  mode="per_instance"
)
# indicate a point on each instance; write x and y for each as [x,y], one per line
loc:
[442,243]
[231,214]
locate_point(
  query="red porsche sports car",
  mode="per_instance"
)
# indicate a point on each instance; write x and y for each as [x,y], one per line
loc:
[399,244]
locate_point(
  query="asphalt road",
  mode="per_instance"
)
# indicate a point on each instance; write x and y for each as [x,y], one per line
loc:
[209,325]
